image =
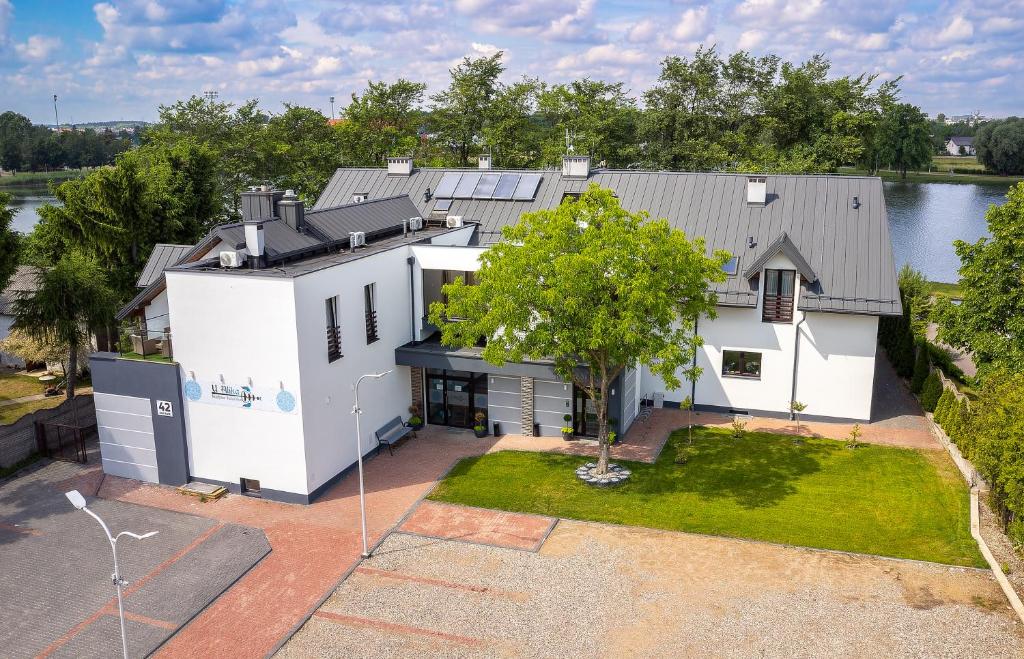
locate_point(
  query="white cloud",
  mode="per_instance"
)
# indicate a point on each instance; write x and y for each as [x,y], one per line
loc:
[958,29]
[37,48]
[557,20]
[325,65]
[644,31]
[750,39]
[692,24]
[6,17]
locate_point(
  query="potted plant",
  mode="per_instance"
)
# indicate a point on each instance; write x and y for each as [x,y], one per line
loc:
[567,428]
[415,420]
[480,428]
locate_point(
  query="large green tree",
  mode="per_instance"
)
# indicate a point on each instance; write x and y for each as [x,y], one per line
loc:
[460,112]
[593,287]
[599,117]
[304,150]
[71,299]
[9,242]
[382,121]
[904,141]
[990,320]
[1000,145]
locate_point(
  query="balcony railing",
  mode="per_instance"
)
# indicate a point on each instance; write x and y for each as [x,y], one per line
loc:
[146,342]
[777,309]
[371,327]
[333,343]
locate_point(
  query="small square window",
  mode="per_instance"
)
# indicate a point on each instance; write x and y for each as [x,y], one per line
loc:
[741,364]
[732,266]
[250,487]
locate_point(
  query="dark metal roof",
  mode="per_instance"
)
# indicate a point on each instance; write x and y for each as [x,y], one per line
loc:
[370,215]
[25,280]
[161,257]
[962,140]
[847,248]
[782,245]
[278,237]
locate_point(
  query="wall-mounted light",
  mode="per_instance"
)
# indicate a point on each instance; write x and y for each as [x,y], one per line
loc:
[192,375]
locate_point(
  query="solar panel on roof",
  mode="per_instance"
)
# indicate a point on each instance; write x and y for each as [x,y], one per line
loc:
[485,188]
[506,186]
[443,204]
[464,190]
[527,188]
[446,188]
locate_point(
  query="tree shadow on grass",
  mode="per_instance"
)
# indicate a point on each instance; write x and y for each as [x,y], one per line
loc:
[757,470]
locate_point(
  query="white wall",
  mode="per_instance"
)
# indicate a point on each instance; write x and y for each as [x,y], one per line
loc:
[240,327]
[328,425]
[836,368]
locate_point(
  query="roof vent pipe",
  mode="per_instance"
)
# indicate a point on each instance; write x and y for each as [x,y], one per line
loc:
[254,243]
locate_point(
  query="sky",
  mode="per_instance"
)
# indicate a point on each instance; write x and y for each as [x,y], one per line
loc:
[122,59]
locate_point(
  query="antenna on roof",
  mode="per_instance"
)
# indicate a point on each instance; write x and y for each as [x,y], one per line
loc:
[569,138]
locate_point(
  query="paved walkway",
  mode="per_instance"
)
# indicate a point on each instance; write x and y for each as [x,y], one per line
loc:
[604,590]
[55,576]
[435,519]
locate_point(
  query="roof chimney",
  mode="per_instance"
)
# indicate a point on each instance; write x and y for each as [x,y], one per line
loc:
[254,242]
[575,166]
[484,161]
[757,190]
[401,166]
[257,203]
[292,211]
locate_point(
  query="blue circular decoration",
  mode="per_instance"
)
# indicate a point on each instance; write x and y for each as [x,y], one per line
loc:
[192,390]
[285,401]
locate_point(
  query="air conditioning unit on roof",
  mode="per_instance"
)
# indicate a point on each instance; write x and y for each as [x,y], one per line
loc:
[415,223]
[357,239]
[232,259]
[454,221]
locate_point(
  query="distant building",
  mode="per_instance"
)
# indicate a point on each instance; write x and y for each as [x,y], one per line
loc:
[25,281]
[960,145]
[969,119]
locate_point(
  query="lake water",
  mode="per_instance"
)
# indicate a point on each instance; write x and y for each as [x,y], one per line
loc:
[924,220]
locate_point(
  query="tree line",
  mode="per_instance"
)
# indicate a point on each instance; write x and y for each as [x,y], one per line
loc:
[27,147]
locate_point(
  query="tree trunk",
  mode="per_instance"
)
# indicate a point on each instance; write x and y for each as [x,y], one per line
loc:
[602,424]
[71,372]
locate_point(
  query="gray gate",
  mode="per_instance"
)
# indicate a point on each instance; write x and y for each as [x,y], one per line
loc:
[127,442]
[552,400]
[504,403]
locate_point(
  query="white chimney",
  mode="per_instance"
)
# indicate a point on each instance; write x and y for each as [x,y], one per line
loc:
[254,239]
[757,190]
[576,166]
[484,161]
[401,166]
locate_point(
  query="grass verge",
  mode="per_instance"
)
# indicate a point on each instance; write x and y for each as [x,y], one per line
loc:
[944,289]
[935,177]
[36,178]
[11,413]
[874,499]
[13,385]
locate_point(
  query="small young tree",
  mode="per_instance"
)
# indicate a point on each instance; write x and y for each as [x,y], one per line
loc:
[796,407]
[72,297]
[593,287]
[853,440]
[687,405]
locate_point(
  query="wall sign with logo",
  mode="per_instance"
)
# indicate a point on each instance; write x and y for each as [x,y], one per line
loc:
[240,396]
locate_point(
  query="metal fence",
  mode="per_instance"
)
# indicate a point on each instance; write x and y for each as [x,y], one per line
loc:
[149,340]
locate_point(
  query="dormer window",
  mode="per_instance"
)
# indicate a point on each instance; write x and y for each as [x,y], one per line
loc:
[777,302]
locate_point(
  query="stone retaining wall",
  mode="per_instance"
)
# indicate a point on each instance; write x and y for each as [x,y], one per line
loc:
[18,439]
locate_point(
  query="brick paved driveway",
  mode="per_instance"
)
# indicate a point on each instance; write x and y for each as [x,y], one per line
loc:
[55,567]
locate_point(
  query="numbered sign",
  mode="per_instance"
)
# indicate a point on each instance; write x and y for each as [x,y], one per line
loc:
[164,408]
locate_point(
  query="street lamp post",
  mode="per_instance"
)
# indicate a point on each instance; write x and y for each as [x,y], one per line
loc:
[78,501]
[359,454]
[332,107]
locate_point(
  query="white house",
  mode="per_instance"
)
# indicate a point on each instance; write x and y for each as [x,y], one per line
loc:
[24,282]
[272,320]
[960,145]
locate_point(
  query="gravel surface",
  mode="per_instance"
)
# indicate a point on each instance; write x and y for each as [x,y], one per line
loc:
[598,590]
[1001,546]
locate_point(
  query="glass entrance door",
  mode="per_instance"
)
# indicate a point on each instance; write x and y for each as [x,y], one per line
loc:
[584,414]
[454,398]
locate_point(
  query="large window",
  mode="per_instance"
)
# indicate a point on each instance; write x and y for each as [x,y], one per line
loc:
[370,305]
[777,305]
[333,329]
[741,364]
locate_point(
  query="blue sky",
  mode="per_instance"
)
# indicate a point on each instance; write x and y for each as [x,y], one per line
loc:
[120,59]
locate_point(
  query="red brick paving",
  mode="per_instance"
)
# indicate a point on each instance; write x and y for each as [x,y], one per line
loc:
[312,546]
[487,527]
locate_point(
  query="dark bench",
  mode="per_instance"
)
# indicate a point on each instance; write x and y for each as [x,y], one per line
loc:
[392,431]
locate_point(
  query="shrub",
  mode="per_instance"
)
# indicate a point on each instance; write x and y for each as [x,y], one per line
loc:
[961,427]
[940,357]
[942,407]
[995,432]
[930,392]
[920,368]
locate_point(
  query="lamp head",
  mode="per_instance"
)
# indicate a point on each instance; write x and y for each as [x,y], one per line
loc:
[380,375]
[76,499]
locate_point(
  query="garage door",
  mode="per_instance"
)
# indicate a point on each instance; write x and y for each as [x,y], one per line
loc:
[125,427]
[551,402]
[504,403]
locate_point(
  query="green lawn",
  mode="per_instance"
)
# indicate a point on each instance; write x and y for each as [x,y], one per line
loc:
[934,177]
[11,413]
[944,289]
[16,386]
[874,499]
[945,163]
